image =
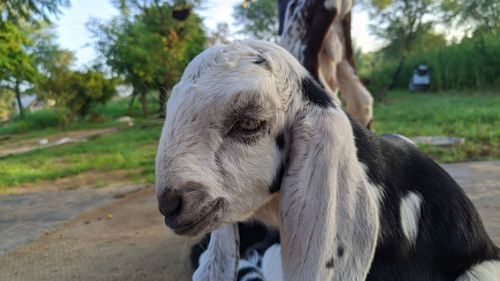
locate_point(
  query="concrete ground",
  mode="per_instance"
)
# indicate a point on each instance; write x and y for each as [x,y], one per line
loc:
[25,216]
[127,240]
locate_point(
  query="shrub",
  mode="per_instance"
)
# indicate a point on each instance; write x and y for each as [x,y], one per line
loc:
[473,63]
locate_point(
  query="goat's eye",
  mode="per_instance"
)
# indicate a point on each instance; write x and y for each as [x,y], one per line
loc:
[247,127]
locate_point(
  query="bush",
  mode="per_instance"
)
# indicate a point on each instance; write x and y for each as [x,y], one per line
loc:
[472,64]
[76,92]
[42,119]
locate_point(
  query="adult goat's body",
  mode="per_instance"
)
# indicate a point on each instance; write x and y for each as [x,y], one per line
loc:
[249,133]
[318,34]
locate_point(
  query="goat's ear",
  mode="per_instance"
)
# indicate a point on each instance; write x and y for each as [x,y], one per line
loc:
[328,216]
[220,260]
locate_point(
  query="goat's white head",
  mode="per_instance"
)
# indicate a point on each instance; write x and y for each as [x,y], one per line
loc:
[226,134]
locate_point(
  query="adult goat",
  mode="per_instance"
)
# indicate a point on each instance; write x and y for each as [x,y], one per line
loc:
[318,34]
[250,133]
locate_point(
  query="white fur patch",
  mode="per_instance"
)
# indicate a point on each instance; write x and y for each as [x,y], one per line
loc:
[219,261]
[271,264]
[377,192]
[485,271]
[410,215]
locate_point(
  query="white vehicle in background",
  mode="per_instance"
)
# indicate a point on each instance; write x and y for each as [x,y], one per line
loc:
[421,78]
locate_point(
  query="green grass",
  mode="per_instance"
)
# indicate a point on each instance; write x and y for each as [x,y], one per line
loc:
[130,149]
[473,116]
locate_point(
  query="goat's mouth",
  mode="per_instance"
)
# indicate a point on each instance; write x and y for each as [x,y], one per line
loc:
[204,220]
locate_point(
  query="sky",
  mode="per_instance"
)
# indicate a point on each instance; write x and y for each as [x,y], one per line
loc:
[73,34]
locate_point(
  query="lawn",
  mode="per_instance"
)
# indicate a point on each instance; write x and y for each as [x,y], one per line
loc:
[132,149]
[473,116]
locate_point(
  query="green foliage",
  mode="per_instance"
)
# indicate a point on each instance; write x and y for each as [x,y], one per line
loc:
[32,121]
[15,62]
[6,107]
[479,15]
[401,23]
[49,120]
[30,10]
[75,92]
[472,64]
[149,49]
[258,18]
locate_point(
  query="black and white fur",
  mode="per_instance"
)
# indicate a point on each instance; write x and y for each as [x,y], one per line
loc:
[250,134]
[318,34]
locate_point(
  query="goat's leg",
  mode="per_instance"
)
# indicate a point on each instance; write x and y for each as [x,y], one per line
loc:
[220,260]
[359,101]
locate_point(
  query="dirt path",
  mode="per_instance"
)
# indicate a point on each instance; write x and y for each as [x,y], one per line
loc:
[127,240]
[18,145]
[24,216]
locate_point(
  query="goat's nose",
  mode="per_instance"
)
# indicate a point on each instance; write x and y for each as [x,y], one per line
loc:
[170,205]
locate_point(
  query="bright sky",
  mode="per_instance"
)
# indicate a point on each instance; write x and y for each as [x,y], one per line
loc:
[73,34]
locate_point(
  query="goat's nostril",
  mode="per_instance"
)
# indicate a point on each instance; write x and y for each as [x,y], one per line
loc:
[170,205]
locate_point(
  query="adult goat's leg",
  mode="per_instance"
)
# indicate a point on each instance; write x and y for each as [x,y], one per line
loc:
[359,100]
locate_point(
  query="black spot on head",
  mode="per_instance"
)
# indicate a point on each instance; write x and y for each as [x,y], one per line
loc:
[329,263]
[313,92]
[280,141]
[340,251]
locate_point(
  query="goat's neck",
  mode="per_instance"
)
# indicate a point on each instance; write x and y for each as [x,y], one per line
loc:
[329,220]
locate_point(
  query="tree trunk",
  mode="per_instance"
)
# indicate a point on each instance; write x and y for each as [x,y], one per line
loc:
[144,104]
[396,73]
[131,102]
[18,97]
[162,96]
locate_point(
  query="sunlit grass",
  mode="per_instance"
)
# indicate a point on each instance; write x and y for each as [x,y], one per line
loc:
[129,149]
[475,117]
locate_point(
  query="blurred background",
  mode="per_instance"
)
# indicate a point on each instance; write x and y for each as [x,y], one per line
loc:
[83,85]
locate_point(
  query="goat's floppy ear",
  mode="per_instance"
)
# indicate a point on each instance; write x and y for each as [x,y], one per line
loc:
[329,219]
[220,260]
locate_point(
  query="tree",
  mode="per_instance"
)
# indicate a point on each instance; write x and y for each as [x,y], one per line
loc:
[259,18]
[75,92]
[401,23]
[149,49]
[16,63]
[6,107]
[30,10]
[219,36]
[480,15]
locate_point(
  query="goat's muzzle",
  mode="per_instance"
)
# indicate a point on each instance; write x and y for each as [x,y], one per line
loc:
[189,210]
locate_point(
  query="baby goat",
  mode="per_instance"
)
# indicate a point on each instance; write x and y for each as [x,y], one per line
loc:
[249,133]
